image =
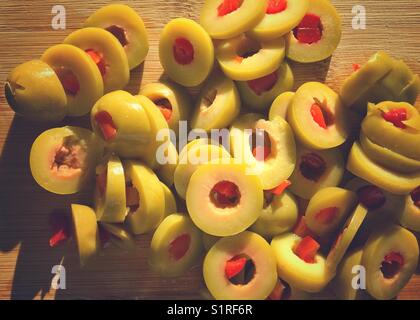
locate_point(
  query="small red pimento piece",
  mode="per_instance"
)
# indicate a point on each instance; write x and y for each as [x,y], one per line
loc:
[60,225]
[261,153]
[183,51]
[264,84]
[301,229]
[318,115]
[307,249]
[165,108]
[309,29]
[98,58]
[281,188]
[276,6]
[392,264]
[179,247]
[228,6]
[234,266]
[239,59]
[396,117]
[107,126]
[69,81]
[327,215]
[356,67]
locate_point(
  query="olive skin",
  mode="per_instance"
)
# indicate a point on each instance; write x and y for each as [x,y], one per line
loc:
[34,92]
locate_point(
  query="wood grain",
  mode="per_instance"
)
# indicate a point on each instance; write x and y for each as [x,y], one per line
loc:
[25,32]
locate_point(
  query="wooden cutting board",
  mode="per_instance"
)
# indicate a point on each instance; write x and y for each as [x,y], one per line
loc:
[25,32]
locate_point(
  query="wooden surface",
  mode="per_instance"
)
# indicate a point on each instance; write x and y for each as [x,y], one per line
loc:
[25,32]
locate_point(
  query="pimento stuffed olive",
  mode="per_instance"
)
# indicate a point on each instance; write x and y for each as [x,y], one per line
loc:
[241,267]
[79,76]
[34,91]
[186,52]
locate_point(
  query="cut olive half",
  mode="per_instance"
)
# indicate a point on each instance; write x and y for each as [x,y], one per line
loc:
[63,160]
[241,267]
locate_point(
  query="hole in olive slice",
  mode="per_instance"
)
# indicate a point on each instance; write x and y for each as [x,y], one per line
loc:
[276,6]
[312,166]
[264,84]
[179,246]
[309,29]
[260,144]
[228,6]
[68,80]
[248,48]
[240,270]
[208,99]
[132,197]
[183,51]
[119,33]
[371,197]
[69,157]
[225,194]
[165,108]
[415,196]
[392,264]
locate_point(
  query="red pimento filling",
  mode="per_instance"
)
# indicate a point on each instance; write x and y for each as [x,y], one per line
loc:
[119,33]
[396,117]
[309,29]
[61,228]
[132,197]
[68,80]
[99,60]
[321,114]
[281,188]
[327,215]
[356,67]
[165,108]
[240,269]
[179,246]
[260,143]
[312,166]
[307,249]
[392,264]
[276,6]
[234,266]
[228,6]
[301,229]
[371,197]
[415,196]
[107,126]
[281,291]
[225,194]
[183,51]
[264,84]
